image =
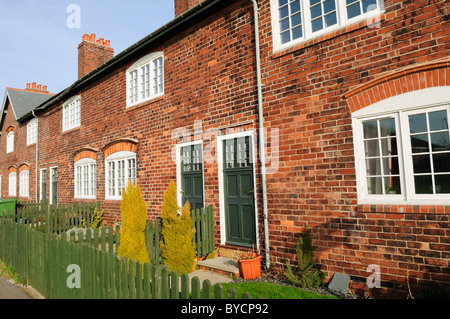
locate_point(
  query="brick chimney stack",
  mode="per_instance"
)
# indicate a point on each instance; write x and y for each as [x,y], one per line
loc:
[92,54]
[32,87]
[184,5]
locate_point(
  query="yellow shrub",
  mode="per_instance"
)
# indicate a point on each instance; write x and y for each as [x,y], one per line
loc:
[177,247]
[134,218]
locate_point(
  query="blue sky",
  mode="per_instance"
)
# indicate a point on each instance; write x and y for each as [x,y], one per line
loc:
[37,44]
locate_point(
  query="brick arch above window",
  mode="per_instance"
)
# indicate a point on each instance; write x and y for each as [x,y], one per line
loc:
[128,145]
[405,80]
[12,169]
[85,152]
[9,129]
[24,167]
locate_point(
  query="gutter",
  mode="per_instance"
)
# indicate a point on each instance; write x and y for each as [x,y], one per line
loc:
[37,153]
[262,147]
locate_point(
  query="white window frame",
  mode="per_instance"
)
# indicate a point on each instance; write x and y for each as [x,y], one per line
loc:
[113,184]
[10,142]
[32,132]
[307,34]
[142,83]
[41,193]
[24,183]
[71,113]
[12,184]
[85,172]
[398,107]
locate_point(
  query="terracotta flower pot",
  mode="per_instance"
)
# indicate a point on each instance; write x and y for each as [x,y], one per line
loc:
[250,268]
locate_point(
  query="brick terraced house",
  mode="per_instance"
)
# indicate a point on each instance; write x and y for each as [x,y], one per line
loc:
[282,114]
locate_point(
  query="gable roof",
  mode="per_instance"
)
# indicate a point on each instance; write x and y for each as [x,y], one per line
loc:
[22,102]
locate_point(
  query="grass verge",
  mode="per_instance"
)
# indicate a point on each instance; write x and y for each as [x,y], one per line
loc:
[9,272]
[269,290]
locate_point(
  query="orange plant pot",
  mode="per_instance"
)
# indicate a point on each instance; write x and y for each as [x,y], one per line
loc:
[250,268]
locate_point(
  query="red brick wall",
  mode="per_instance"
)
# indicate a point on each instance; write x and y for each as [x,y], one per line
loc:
[315,184]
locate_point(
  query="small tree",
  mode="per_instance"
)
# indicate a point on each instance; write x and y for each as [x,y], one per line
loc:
[134,218]
[177,247]
[306,275]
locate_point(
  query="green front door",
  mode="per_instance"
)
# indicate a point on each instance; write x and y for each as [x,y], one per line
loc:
[192,175]
[239,192]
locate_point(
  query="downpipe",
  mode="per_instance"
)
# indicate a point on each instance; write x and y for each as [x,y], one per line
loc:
[37,155]
[262,147]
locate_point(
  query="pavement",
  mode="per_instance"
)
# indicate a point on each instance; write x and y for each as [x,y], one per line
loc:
[10,290]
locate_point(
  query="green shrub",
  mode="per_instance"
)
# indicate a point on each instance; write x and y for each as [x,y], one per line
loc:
[306,274]
[133,212]
[177,247]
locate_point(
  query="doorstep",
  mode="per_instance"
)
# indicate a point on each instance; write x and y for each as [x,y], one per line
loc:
[221,265]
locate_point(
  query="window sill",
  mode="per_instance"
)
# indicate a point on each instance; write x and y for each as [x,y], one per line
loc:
[288,49]
[145,103]
[410,208]
[71,130]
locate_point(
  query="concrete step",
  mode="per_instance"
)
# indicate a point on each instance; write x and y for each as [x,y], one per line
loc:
[221,265]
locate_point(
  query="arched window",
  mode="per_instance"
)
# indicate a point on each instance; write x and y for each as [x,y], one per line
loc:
[12,190]
[120,168]
[86,178]
[24,183]
[10,142]
[402,148]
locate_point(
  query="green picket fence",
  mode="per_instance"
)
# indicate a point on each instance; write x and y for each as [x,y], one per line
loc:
[70,269]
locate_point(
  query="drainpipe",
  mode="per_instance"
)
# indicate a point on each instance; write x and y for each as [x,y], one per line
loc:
[261,132]
[37,153]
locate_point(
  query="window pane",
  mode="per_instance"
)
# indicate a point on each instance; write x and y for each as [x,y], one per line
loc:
[284,12]
[442,184]
[296,19]
[329,6]
[313,2]
[421,164]
[441,163]
[438,121]
[282,2]
[373,167]
[392,185]
[374,185]
[353,10]
[387,127]
[370,129]
[418,123]
[297,32]
[369,5]
[316,11]
[284,24]
[423,184]
[330,19]
[317,25]
[295,6]
[285,37]
[389,146]
[440,142]
[390,166]
[419,143]
[371,148]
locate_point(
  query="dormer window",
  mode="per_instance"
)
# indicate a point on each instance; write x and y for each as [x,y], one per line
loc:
[72,113]
[145,79]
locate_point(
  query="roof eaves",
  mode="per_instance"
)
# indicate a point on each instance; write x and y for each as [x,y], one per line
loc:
[177,22]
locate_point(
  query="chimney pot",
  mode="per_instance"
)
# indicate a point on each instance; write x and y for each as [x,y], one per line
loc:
[44,88]
[39,87]
[28,85]
[107,43]
[92,37]
[86,37]
[34,85]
